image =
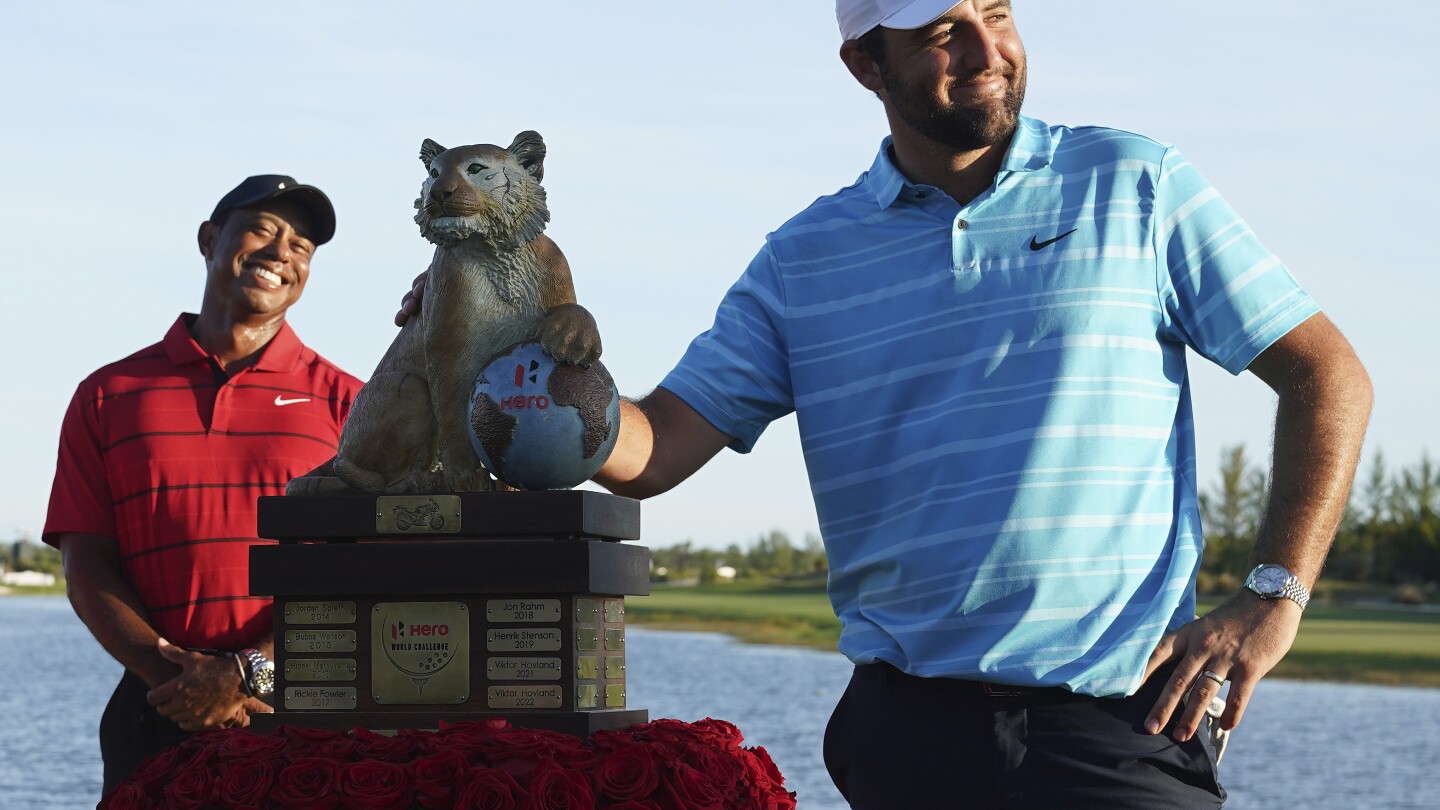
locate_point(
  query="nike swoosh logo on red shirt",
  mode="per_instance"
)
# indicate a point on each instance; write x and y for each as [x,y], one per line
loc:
[281,401]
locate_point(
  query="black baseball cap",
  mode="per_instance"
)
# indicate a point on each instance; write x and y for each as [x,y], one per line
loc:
[263,187]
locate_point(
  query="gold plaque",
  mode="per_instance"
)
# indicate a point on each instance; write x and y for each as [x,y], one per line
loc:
[615,668]
[585,610]
[420,653]
[332,612]
[587,696]
[543,639]
[614,611]
[319,641]
[319,698]
[523,697]
[522,610]
[320,669]
[614,695]
[523,669]
[586,638]
[614,639]
[587,667]
[417,514]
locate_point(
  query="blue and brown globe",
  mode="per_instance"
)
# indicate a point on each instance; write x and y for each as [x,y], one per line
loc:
[541,424]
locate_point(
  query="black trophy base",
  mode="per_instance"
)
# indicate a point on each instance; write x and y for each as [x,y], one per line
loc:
[578,724]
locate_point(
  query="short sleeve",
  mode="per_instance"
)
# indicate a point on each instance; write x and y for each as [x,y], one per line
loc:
[737,375]
[1224,294]
[80,498]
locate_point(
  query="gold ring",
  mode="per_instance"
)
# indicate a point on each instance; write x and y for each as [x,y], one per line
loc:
[1219,681]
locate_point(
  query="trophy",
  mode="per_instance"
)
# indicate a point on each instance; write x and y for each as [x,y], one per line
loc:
[439,569]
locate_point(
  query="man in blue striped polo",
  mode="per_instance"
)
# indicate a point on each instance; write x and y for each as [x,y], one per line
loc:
[984,341]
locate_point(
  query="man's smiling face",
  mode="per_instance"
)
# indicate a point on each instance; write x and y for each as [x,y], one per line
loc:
[258,259]
[959,81]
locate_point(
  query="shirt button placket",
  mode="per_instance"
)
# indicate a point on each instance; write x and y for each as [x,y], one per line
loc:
[962,255]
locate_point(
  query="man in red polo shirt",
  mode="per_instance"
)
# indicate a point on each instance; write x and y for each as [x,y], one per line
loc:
[162,457]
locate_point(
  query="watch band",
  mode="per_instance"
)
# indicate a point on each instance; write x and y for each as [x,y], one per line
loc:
[259,673]
[1288,586]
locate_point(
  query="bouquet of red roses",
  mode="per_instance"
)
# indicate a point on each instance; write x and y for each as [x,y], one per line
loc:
[488,764]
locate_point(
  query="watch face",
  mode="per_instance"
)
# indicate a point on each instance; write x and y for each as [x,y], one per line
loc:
[265,680]
[1271,579]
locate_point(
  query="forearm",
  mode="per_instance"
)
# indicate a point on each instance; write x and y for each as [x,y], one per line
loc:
[117,617]
[1319,429]
[662,442]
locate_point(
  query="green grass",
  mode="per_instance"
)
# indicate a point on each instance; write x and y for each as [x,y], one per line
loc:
[47,590]
[1335,643]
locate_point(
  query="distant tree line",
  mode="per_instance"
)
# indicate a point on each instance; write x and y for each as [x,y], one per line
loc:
[23,554]
[770,555]
[1390,534]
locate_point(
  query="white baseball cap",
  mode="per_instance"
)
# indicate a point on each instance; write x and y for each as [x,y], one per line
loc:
[856,17]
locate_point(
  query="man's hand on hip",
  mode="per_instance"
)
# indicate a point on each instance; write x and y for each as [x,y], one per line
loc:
[206,694]
[1240,641]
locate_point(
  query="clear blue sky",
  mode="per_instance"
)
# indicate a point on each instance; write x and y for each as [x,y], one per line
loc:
[679,135]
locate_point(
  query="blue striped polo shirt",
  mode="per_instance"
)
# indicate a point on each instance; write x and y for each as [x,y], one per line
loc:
[993,399]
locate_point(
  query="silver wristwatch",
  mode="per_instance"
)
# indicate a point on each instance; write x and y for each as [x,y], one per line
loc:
[259,673]
[1273,581]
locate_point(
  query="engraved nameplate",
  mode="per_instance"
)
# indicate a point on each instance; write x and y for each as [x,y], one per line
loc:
[523,697]
[417,514]
[315,641]
[333,612]
[320,669]
[320,698]
[523,669]
[541,639]
[522,610]
[420,653]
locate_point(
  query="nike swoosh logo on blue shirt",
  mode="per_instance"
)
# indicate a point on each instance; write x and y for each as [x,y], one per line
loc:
[1034,245]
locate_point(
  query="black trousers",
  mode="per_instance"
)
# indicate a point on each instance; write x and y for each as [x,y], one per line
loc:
[899,741]
[131,730]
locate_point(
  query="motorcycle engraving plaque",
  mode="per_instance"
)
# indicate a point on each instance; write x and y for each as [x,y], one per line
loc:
[417,514]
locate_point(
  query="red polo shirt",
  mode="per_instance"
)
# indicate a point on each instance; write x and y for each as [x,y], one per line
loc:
[159,456]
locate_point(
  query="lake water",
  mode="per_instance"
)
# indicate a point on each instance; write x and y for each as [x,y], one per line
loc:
[1302,744]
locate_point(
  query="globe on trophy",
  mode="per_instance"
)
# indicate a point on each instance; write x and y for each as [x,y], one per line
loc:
[539,424]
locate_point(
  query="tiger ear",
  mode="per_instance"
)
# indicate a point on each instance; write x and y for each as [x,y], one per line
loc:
[428,150]
[529,148]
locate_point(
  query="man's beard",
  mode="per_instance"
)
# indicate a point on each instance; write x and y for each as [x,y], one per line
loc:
[961,127]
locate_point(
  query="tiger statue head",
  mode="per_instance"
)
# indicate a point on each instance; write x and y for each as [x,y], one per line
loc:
[484,191]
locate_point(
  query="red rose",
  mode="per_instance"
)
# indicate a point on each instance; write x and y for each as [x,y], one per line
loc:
[644,804]
[684,786]
[490,789]
[370,785]
[723,767]
[382,747]
[468,738]
[760,768]
[630,772]
[244,783]
[303,743]
[437,777]
[557,788]
[719,733]
[242,743]
[194,785]
[311,783]
[521,751]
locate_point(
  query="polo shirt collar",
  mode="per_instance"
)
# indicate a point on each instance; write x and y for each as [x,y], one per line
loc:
[280,354]
[1031,149]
